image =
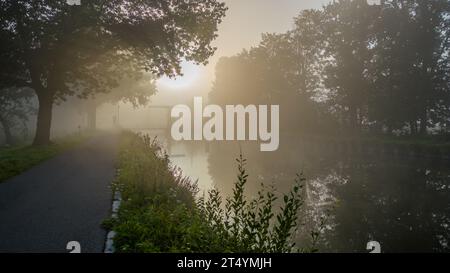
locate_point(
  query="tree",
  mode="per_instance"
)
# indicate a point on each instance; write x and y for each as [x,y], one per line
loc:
[283,69]
[56,46]
[382,68]
[16,107]
[411,64]
[348,29]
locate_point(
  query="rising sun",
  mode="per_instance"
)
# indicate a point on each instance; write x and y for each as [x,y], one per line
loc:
[190,72]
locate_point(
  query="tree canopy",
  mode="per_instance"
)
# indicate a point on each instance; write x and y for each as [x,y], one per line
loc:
[61,50]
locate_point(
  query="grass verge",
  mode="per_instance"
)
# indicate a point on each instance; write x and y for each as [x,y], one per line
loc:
[160,211]
[15,160]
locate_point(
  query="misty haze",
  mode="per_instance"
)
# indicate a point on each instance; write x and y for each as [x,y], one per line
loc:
[359,152]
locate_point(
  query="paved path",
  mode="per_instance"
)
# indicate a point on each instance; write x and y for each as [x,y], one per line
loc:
[63,199]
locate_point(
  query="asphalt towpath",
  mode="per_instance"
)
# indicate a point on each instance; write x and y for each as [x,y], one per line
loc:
[63,199]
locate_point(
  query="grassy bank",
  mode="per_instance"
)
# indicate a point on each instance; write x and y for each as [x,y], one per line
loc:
[160,211]
[16,160]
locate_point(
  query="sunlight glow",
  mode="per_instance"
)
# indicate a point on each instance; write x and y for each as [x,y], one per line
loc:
[190,75]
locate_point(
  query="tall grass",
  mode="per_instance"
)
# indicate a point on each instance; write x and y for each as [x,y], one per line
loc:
[160,211]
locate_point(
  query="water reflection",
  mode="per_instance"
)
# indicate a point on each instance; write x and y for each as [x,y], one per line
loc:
[401,202]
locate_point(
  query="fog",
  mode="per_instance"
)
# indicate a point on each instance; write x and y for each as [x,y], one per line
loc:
[363,92]
[241,29]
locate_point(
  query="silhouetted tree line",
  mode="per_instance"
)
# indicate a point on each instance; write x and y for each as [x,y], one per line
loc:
[350,67]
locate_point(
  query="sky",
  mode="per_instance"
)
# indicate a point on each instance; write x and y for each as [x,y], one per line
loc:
[241,28]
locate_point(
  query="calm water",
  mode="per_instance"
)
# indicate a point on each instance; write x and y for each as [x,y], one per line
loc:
[401,202]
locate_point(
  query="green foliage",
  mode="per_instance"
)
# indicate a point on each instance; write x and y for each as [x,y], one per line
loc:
[160,211]
[253,225]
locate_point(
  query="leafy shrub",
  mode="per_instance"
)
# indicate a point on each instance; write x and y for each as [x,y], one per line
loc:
[253,225]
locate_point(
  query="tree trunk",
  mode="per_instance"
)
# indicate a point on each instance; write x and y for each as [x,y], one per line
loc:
[44,119]
[7,131]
